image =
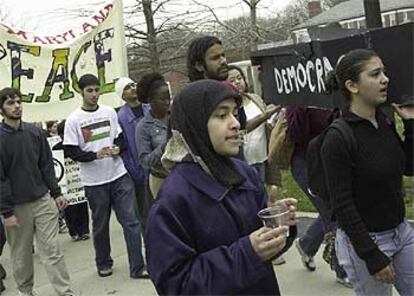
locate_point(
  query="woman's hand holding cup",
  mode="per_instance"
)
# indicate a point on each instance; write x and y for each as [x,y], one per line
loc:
[268,242]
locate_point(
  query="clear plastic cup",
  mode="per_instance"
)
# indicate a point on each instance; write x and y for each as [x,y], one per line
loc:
[114,149]
[275,216]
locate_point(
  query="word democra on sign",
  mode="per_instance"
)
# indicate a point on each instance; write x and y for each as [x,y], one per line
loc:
[298,77]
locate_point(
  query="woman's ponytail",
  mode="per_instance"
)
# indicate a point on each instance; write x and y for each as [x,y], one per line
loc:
[331,82]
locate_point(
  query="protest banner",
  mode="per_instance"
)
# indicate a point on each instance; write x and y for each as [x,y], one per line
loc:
[59,164]
[54,141]
[46,69]
[68,176]
[75,192]
[295,74]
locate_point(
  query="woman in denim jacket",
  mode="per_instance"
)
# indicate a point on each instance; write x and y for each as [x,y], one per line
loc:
[151,132]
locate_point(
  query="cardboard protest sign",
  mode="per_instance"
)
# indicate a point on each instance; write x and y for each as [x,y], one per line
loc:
[68,177]
[295,74]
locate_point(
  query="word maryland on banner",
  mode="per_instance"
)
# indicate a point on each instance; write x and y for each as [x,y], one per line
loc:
[46,69]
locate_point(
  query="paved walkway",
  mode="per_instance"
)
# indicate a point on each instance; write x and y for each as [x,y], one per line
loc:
[292,276]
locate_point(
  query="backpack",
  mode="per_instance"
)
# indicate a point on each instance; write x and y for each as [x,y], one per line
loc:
[281,145]
[317,185]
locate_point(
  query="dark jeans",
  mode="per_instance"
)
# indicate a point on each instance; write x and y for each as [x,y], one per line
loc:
[120,196]
[77,219]
[312,239]
[144,201]
[2,243]
[2,237]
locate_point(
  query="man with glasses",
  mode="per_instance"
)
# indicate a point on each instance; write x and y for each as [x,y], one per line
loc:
[94,138]
[128,117]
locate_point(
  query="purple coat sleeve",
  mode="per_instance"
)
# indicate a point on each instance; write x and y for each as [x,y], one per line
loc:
[179,269]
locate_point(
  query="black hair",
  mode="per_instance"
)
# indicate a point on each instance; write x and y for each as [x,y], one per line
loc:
[233,67]
[349,67]
[147,86]
[87,80]
[196,54]
[61,128]
[8,93]
[50,123]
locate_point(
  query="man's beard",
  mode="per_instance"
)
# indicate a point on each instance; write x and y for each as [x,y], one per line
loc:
[12,116]
[217,76]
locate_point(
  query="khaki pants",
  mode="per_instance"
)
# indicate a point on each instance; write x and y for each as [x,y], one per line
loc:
[38,218]
[155,185]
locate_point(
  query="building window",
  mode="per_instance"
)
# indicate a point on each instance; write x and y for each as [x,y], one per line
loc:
[410,15]
[400,17]
[392,19]
[386,22]
[362,24]
[352,25]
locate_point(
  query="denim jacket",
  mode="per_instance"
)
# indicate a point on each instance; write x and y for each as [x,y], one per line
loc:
[151,137]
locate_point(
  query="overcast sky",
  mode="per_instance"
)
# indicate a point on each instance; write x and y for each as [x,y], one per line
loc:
[54,16]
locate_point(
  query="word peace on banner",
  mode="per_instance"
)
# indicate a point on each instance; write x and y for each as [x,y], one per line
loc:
[46,69]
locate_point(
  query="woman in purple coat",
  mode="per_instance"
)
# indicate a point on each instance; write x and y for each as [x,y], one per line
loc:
[204,235]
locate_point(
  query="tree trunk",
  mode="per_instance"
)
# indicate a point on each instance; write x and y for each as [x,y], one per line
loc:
[253,20]
[151,35]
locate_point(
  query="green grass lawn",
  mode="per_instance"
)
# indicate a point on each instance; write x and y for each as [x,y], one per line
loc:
[291,189]
[409,197]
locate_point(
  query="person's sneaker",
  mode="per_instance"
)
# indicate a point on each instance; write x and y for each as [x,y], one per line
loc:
[105,272]
[344,281]
[279,261]
[75,237]
[143,275]
[2,287]
[62,228]
[307,261]
[85,236]
[3,273]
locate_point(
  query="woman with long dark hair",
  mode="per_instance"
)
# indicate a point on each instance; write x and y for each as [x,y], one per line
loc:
[374,242]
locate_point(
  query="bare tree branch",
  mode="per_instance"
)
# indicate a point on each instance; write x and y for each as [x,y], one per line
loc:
[215,16]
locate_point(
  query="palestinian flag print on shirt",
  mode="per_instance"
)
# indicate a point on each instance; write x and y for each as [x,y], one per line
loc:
[96,131]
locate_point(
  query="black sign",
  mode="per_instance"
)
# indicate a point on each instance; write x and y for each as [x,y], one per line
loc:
[295,74]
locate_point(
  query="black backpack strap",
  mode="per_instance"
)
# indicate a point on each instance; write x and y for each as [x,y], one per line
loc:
[347,134]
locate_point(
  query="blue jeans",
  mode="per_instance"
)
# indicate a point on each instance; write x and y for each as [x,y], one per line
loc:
[144,201]
[313,237]
[397,244]
[120,196]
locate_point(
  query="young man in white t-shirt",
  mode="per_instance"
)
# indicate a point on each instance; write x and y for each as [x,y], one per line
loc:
[93,138]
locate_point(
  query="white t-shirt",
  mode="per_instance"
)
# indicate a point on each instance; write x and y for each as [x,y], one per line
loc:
[91,131]
[255,150]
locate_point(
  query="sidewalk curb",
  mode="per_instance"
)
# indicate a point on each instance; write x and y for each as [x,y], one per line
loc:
[314,215]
